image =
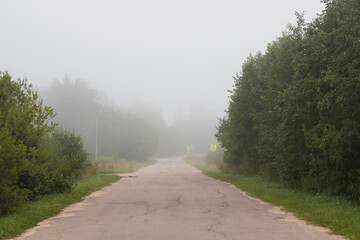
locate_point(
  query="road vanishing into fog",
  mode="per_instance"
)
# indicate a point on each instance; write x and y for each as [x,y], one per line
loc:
[171,200]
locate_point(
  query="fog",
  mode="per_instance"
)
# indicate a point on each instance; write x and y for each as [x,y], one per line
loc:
[167,61]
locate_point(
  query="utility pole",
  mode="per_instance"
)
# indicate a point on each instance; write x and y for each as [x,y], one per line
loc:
[96,138]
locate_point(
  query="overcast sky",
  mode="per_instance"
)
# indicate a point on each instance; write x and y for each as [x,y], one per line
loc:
[174,54]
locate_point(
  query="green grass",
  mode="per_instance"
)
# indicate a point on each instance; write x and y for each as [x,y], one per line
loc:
[50,205]
[115,165]
[339,214]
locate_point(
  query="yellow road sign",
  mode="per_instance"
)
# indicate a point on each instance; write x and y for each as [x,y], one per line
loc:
[213,148]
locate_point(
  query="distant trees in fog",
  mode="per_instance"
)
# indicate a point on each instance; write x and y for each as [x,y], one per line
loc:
[119,133]
[135,132]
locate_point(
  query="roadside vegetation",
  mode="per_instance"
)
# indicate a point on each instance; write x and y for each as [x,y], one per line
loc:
[294,112]
[94,178]
[45,167]
[291,133]
[37,157]
[339,214]
[31,213]
[134,131]
[115,132]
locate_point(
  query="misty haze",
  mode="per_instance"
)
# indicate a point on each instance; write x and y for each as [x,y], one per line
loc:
[109,109]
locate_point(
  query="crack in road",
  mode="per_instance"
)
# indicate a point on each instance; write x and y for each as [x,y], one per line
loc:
[174,202]
[218,223]
[219,216]
[224,203]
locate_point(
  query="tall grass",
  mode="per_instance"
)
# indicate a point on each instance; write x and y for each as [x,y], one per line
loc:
[119,165]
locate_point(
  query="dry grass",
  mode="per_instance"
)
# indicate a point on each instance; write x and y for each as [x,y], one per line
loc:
[119,165]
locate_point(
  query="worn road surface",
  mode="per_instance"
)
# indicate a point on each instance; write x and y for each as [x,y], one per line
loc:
[171,200]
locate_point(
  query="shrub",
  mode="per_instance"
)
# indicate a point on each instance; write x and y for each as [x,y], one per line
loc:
[35,158]
[23,123]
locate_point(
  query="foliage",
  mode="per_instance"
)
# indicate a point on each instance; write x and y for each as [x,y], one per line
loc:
[35,158]
[23,122]
[215,157]
[69,158]
[119,133]
[12,163]
[32,213]
[125,135]
[236,132]
[294,114]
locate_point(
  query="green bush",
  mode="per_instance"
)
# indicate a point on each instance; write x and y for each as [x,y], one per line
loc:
[215,157]
[35,158]
[69,159]
[23,123]
[12,163]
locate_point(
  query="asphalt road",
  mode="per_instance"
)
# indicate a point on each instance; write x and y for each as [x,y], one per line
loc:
[171,200]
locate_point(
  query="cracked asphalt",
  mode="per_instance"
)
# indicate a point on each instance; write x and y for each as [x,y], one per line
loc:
[172,200]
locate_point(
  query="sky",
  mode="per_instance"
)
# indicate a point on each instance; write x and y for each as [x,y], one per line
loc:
[173,54]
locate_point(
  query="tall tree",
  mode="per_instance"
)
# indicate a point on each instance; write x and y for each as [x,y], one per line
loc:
[294,112]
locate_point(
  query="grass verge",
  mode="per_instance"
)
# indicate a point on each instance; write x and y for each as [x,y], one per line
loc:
[29,215]
[115,165]
[336,213]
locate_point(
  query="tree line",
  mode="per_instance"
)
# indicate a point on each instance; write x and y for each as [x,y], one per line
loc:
[136,131]
[294,112]
[117,133]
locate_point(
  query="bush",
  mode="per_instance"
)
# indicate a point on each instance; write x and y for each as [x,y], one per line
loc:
[215,157]
[23,123]
[12,162]
[35,158]
[69,158]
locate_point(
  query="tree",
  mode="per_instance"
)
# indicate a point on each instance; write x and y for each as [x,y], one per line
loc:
[236,132]
[294,113]
[120,134]
[23,122]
